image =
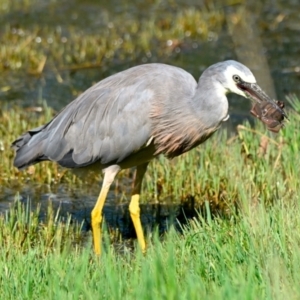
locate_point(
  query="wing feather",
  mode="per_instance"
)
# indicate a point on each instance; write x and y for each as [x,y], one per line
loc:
[108,122]
[116,118]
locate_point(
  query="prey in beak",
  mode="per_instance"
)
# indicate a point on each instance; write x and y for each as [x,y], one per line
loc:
[269,115]
[264,108]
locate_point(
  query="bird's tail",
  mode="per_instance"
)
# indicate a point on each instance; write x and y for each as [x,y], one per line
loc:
[29,148]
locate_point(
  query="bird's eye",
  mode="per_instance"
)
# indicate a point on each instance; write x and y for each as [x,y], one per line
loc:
[236,78]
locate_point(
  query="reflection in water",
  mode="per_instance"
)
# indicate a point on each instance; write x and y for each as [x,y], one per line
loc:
[116,215]
[155,215]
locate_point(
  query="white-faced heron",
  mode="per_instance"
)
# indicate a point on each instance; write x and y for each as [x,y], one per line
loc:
[129,118]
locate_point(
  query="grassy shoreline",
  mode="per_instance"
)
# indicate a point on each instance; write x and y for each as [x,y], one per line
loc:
[250,255]
[81,42]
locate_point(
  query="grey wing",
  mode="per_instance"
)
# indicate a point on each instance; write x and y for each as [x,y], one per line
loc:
[108,122]
[115,118]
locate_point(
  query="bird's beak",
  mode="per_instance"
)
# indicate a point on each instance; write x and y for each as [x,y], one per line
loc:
[256,94]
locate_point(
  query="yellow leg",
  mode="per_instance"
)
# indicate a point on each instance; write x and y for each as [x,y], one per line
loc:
[134,209]
[97,219]
[109,175]
[134,206]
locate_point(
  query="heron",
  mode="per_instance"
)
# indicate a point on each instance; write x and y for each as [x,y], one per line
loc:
[129,118]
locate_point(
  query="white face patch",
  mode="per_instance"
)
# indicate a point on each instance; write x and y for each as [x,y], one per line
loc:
[230,84]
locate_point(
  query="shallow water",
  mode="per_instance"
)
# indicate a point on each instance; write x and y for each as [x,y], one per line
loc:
[158,215]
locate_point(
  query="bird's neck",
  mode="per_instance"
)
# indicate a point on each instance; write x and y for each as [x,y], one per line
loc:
[210,103]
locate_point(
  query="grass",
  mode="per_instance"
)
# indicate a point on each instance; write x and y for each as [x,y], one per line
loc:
[64,43]
[250,254]
[254,256]
[243,245]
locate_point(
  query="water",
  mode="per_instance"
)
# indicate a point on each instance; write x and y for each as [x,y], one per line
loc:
[79,203]
[277,29]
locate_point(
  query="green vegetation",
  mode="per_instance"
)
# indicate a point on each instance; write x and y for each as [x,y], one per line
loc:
[245,243]
[252,253]
[108,38]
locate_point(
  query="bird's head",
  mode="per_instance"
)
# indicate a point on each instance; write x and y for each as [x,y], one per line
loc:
[236,78]
[233,77]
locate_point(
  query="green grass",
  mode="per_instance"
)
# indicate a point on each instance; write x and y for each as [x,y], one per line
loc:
[254,256]
[253,253]
[37,36]
[244,246]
